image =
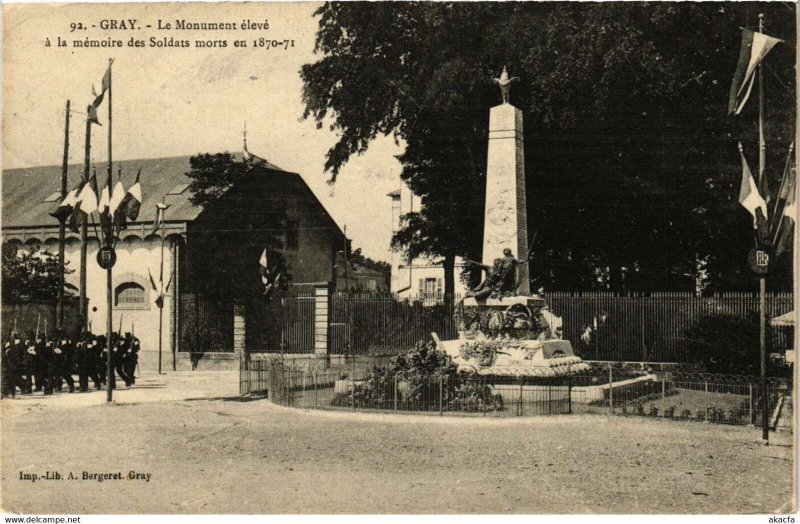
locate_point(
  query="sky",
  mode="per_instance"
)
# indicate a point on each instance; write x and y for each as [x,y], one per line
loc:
[184,101]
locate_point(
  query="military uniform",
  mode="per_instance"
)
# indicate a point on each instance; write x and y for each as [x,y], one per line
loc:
[119,352]
[132,358]
[86,360]
[11,366]
[44,365]
[29,363]
[62,363]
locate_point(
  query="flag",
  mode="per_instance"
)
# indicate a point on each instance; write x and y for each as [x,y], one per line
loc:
[159,221]
[752,200]
[160,289]
[152,281]
[789,216]
[263,267]
[98,99]
[85,205]
[755,47]
[117,195]
[67,205]
[104,205]
[131,203]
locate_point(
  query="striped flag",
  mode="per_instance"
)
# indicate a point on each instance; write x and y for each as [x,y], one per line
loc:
[789,215]
[105,85]
[752,200]
[755,47]
[130,204]
[85,205]
[117,194]
[67,205]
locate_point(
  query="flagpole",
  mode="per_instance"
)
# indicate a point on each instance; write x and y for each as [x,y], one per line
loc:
[109,241]
[84,313]
[161,283]
[762,287]
[62,227]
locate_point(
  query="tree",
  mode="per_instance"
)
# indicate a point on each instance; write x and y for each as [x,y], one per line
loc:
[30,275]
[632,168]
[238,222]
[357,257]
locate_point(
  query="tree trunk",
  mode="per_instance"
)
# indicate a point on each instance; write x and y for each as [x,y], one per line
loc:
[449,279]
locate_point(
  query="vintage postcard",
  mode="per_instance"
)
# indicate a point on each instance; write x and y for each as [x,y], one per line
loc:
[358,258]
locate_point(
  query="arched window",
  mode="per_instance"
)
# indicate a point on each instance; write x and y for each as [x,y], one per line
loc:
[131,295]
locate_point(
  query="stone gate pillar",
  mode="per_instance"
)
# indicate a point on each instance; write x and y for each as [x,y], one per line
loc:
[321,299]
[239,333]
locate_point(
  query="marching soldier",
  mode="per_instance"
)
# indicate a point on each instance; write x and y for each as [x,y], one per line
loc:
[132,358]
[44,371]
[62,362]
[119,351]
[86,359]
[12,361]
[100,352]
[29,362]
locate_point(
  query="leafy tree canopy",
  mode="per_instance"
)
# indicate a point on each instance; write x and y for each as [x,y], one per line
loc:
[631,161]
[30,275]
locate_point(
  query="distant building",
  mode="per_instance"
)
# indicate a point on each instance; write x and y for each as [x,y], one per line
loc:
[360,279]
[211,252]
[423,277]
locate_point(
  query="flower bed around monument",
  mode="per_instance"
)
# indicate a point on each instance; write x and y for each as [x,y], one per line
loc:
[424,379]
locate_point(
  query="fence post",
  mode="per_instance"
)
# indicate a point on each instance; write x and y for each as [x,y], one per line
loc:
[441,396]
[395,392]
[663,394]
[750,396]
[705,398]
[519,404]
[569,393]
[316,388]
[610,387]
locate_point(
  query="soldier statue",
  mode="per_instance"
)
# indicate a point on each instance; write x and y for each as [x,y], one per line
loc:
[501,278]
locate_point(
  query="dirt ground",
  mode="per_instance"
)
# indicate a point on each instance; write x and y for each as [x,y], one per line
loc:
[228,455]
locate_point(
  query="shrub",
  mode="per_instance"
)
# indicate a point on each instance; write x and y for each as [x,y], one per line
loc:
[431,381]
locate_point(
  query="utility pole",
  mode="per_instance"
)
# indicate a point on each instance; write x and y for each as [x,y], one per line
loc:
[762,298]
[109,242]
[62,227]
[161,283]
[82,306]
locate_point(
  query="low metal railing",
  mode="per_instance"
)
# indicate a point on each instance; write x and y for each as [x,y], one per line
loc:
[361,383]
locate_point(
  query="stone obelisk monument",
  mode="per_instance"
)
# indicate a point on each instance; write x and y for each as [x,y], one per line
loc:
[505,220]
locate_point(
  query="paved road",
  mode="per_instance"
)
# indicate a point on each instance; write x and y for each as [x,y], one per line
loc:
[235,456]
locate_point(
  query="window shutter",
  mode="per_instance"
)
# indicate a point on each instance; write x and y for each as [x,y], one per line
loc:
[421,295]
[438,288]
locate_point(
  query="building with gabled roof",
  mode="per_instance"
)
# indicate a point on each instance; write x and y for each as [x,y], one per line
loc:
[204,248]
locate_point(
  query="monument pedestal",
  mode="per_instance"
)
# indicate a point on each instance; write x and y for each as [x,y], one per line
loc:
[512,336]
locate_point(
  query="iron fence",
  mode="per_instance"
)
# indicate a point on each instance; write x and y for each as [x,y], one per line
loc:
[281,325]
[653,328]
[206,323]
[361,383]
[370,324]
[600,326]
